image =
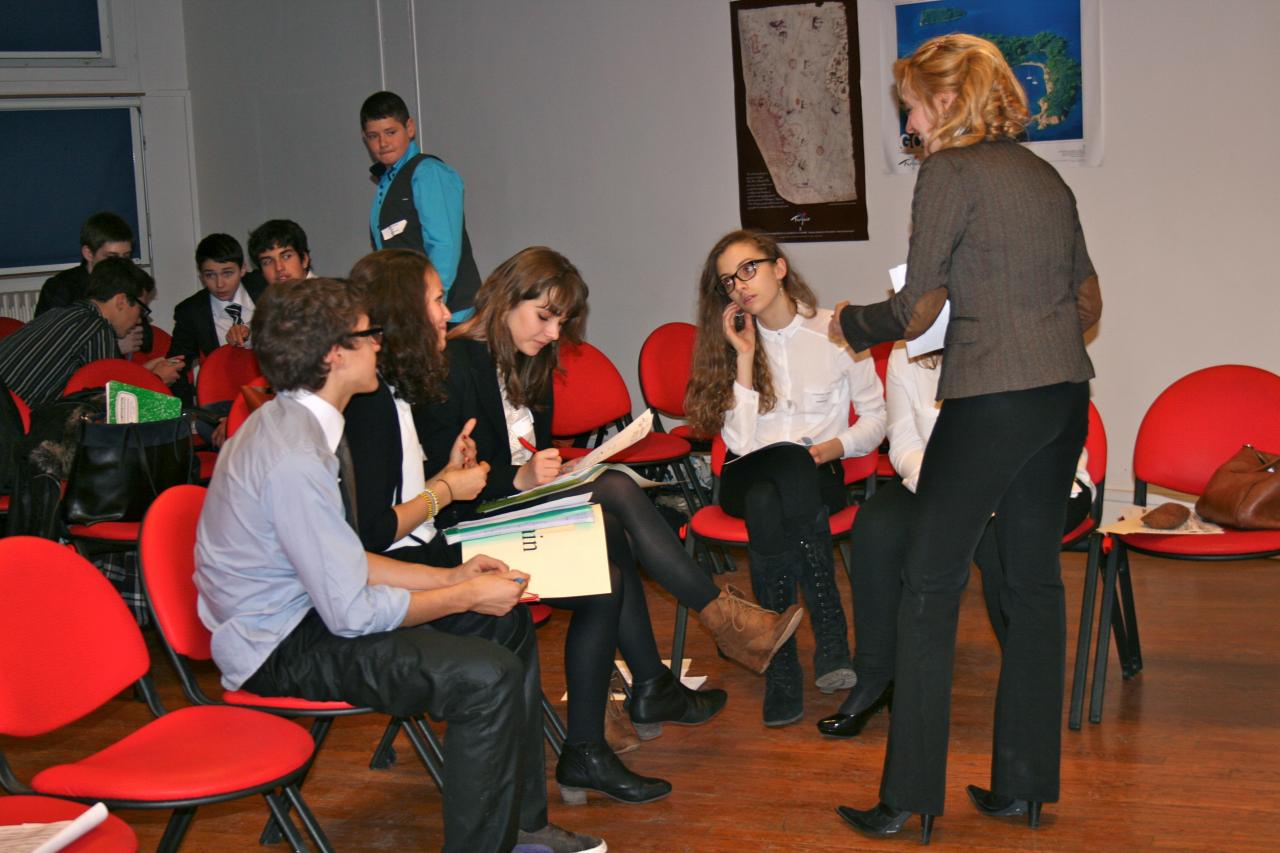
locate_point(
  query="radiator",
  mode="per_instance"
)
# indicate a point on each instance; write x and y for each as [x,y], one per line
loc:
[20,304]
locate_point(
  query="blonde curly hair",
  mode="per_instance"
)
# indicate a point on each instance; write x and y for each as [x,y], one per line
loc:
[988,104]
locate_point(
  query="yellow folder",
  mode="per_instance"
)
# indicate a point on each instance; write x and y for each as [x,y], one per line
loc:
[561,562]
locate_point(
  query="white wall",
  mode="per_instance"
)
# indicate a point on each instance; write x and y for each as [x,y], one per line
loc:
[150,49]
[605,129]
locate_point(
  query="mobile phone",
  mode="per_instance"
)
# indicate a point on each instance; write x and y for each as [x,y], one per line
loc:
[739,321]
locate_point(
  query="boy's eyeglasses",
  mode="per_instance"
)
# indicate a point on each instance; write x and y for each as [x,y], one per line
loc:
[144,310]
[374,332]
[745,272]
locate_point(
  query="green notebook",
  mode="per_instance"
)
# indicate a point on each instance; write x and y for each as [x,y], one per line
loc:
[129,404]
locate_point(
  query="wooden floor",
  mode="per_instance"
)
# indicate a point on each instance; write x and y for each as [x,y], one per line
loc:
[1187,756]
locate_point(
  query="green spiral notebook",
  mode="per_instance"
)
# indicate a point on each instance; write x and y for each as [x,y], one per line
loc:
[129,404]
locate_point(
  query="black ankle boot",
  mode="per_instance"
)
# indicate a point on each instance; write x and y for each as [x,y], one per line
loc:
[832,669]
[884,820]
[774,584]
[592,766]
[997,805]
[861,706]
[664,699]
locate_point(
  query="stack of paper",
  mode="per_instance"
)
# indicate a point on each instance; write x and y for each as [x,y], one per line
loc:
[563,560]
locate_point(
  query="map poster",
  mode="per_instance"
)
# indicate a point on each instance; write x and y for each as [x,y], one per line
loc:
[799,119]
[1052,46]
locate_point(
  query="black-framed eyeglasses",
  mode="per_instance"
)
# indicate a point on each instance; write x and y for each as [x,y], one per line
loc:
[144,310]
[745,272]
[373,332]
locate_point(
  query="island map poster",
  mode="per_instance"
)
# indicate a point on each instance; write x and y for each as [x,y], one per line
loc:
[798,110]
[1052,48]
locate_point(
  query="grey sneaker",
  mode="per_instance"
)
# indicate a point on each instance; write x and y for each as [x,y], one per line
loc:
[557,840]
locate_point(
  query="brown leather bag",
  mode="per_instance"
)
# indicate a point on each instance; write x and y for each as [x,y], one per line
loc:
[1244,492]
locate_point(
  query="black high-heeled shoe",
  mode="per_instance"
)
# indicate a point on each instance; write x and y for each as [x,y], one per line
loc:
[884,820]
[850,725]
[997,805]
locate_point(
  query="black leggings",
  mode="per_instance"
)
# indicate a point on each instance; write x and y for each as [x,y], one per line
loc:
[776,489]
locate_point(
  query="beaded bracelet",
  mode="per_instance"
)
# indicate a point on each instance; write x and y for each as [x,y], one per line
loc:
[434,501]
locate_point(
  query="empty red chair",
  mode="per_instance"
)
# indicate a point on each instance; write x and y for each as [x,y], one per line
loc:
[98,373]
[223,371]
[666,359]
[89,650]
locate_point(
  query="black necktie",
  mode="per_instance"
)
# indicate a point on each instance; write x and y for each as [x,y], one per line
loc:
[347,482]
[233,311]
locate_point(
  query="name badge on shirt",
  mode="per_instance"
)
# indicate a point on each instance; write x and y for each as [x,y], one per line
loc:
[394,228]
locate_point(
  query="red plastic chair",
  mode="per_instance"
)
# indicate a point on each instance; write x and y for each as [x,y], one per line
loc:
[98,373]
[1194,426]
[591,397]
[160,341]
[167,553]
[111,836]
[89,650]
[240,410]
[666,359]
[223,371]
[9,325]
[712,525]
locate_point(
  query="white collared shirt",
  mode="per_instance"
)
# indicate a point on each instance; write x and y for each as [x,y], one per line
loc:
[222,320]
[815,382]
[331,420]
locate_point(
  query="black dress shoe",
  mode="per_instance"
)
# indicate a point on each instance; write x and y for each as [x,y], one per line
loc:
[850,725]
[664,699]
[884,820]
[592,766]
[997,805]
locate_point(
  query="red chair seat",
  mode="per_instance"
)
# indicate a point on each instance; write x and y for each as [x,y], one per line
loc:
[884,468]
[208,460]
[1080,530]
[1231,543]
[111,836]
[712,522]
[111,531]
[654,449]
[186,754]
[4,503]
[284,703]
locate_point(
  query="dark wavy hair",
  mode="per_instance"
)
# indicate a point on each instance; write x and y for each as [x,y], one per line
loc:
[391,283]
[294,326]
[710,391]
[529,274]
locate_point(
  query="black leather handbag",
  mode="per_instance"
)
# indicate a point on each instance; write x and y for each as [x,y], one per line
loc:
[119,469]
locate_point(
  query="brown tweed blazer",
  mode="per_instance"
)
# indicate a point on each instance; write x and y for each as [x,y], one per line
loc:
[997,227]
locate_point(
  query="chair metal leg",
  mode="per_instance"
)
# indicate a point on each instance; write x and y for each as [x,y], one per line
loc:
[385,755]
[553,726]
[271,833]
[1078,680]
[175,829]
[1133,658]
[280,816]
[427,747]
[309,822]
[1103,650]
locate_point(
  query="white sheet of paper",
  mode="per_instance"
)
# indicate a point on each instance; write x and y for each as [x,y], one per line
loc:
[49,837]
[935,337]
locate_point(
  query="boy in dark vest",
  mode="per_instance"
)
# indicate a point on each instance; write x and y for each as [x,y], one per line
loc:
[418,203]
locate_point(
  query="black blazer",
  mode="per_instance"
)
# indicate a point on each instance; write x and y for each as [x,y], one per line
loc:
[473,392]
[194,334]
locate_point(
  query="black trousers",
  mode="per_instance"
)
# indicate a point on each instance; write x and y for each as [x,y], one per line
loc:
[776,489]
[1013,454]
[478,673]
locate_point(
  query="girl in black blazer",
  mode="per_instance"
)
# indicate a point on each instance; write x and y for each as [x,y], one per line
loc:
[500,372]
[995,228]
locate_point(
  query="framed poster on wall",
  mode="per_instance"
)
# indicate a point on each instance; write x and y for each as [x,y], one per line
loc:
[798,109]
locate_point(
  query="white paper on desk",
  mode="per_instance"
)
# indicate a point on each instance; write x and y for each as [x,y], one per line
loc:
[49,837]
[935,337]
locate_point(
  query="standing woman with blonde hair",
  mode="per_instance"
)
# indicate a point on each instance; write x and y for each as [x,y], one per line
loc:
[995,229]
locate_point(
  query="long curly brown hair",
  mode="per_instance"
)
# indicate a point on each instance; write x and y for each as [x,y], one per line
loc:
[710,392]
[529,274]
[392,283]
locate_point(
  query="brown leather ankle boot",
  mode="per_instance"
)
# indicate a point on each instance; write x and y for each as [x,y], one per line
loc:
[746,632]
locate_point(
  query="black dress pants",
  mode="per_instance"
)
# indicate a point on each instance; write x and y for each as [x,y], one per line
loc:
[478,673]
[1013,454]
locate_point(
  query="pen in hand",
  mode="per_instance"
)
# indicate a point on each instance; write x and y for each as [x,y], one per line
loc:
[527,445]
